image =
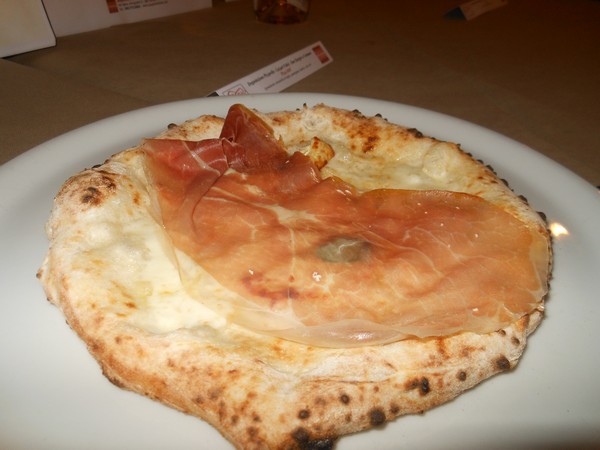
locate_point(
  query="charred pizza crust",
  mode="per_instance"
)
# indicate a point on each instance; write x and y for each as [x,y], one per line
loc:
[110,272]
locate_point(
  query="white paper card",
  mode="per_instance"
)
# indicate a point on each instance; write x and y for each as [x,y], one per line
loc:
[281,74]
[77,16]
[24,26]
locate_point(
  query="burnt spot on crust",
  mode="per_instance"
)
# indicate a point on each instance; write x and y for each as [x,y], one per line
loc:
[215,393]
[502,363]
[136,198]
[370,143]
[320,401]
[305,442]
[94,195]
[107,180]
[91,195]
[441,348]
[416,133]
[394,409]
[345,399]
[467,350]
[303,414]
[412,384]
[365,133]
[376,417]
[461,376]
[171,126]
[515,340]
[95,346]
[490,168]
[422,384]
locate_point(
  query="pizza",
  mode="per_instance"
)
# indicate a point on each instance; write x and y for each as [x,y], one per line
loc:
[351,266]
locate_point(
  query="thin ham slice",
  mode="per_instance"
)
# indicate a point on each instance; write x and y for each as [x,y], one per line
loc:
[313,260]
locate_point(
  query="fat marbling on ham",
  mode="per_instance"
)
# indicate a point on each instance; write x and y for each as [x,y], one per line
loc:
[312,259]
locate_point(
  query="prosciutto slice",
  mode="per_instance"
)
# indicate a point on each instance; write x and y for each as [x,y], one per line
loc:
[313,260]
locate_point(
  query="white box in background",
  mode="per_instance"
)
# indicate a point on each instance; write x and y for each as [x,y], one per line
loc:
[77,16]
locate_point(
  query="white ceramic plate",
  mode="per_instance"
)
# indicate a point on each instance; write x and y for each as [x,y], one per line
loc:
[53,395]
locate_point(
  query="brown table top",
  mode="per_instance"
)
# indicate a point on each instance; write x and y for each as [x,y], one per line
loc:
[528,70]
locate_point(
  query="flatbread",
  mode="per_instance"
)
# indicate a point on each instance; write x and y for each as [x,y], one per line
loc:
[111,270]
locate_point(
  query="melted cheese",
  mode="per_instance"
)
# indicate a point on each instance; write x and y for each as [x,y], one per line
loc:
[130,263]
[432,170]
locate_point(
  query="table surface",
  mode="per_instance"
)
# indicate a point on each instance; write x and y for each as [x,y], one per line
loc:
[529,70]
